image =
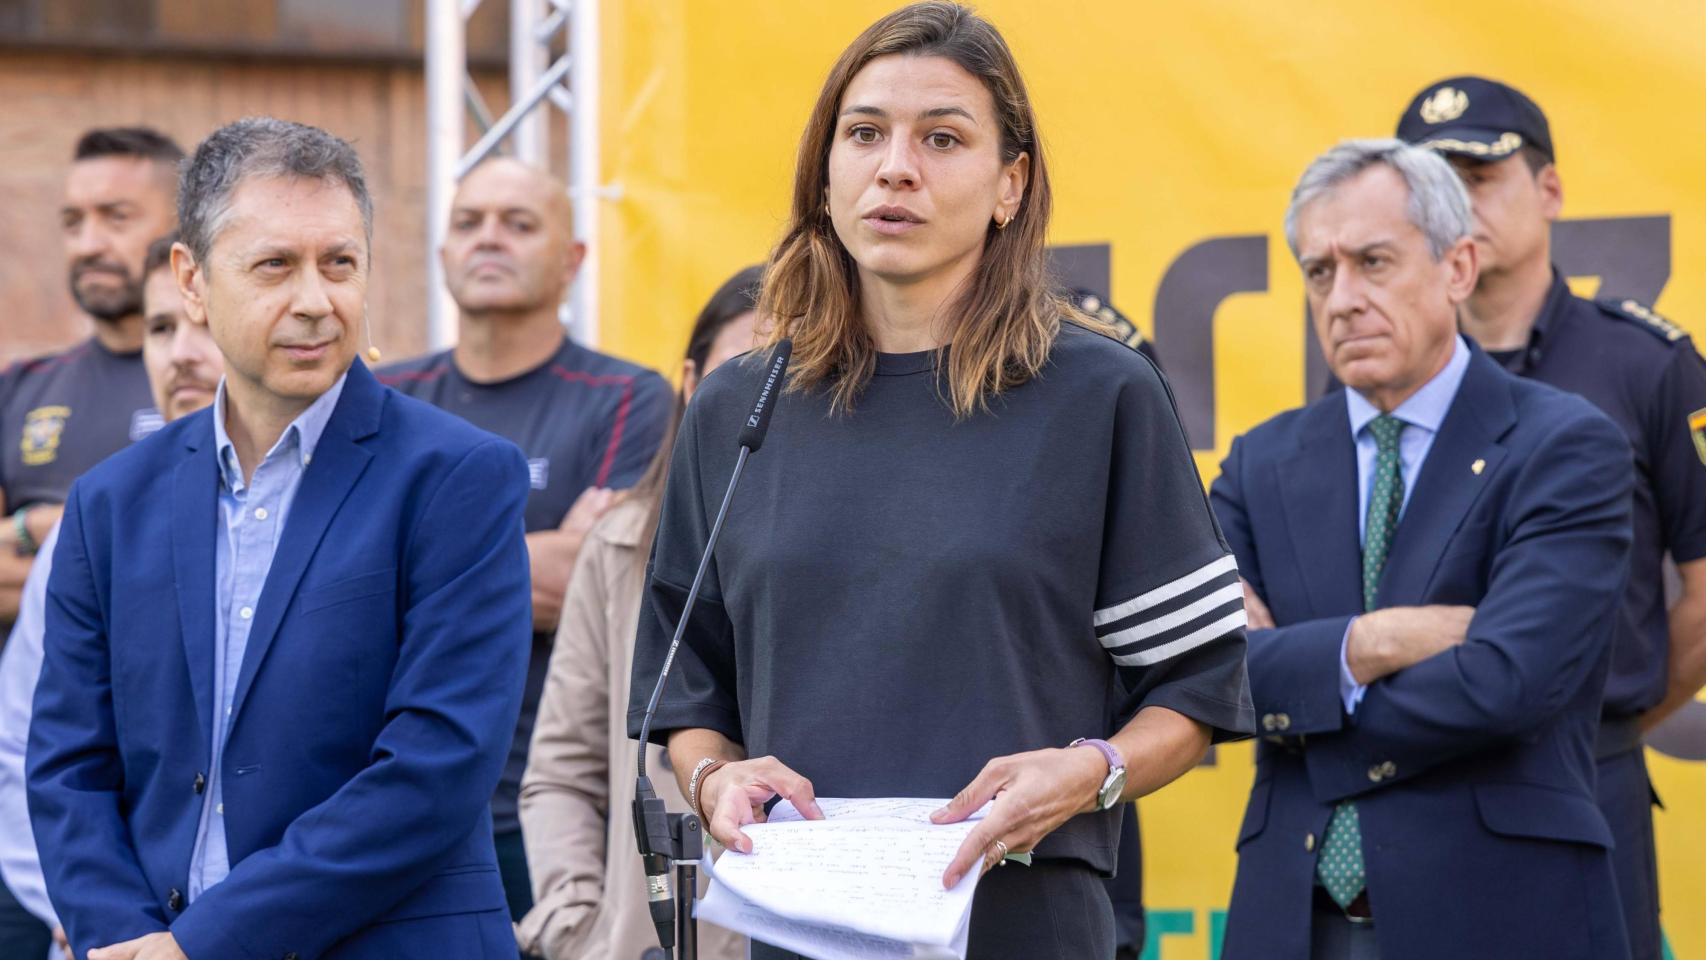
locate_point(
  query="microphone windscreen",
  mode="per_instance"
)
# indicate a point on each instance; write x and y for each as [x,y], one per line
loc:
[758,422]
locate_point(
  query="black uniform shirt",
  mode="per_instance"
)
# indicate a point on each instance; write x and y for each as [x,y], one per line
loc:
[898,597]
[583,419]
[63,413]
[1644,373]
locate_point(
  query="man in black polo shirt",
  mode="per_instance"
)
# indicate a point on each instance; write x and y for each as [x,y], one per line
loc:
[63,413]
[588,423]
[1641,371]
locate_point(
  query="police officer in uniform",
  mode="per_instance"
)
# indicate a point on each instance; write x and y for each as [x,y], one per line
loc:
[62,413]
[1640,370]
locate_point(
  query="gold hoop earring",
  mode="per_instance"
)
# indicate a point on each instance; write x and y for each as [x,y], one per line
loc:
[1002,224]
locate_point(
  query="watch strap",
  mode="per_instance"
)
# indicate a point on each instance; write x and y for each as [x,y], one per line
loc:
[1115,761]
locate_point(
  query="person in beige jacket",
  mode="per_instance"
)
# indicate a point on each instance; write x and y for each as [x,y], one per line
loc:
[588,883]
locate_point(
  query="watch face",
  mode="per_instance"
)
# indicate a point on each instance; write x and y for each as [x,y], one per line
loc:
[1112,788]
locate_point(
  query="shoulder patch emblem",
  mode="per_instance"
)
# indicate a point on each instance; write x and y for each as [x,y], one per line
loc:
[1697,430]
[42,429]
[1124,330]
[1644,316]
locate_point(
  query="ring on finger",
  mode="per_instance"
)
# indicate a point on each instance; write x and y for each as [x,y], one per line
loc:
[1001,849]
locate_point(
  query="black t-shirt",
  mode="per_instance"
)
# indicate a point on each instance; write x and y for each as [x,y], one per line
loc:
[63,413]
[583,419]
[1645,374]
[898,597]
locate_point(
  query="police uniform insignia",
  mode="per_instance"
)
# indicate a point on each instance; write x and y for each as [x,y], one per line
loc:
[42,429]
[1644,317]
[1124,330]
[1447,103]
[1697,430]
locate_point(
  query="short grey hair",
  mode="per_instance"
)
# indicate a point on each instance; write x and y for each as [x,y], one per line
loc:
[1438,206]
[260,147]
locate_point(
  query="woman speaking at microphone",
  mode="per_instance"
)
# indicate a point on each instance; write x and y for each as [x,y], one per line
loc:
[974,558]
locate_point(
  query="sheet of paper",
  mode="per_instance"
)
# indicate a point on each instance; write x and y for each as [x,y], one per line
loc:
[871,866]
[727,910]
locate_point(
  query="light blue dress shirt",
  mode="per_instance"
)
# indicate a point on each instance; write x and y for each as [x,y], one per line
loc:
[253,516]
[20,666]
[1422,414]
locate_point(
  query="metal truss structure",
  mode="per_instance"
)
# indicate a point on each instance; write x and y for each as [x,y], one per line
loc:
[537,82]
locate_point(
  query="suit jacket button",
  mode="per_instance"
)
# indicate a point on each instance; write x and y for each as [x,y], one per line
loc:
[1268,722]
[290,956]
[1375,773]
[1308,842]
[1389,768]
[200,782]
[174,900]
[1282,720]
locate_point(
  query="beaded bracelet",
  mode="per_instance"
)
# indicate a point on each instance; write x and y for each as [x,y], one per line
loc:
[700,772]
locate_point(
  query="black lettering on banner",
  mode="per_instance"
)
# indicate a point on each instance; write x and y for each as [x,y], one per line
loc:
[1629,255]
[1191,291]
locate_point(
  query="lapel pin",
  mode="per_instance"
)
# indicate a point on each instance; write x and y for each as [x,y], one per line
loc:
[1477,467]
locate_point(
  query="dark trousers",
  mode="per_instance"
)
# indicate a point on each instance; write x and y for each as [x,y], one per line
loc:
[21,934]
[1334,936]
[512,866]
[1051,910]
[1626,798]
[1125,890]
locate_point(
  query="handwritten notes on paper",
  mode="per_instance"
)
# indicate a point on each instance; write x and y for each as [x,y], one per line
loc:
[864,882]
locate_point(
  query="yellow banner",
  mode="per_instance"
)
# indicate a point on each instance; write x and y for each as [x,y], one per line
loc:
[1174,132]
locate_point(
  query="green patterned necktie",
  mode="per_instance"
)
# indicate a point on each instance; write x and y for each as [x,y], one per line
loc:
[1340,866]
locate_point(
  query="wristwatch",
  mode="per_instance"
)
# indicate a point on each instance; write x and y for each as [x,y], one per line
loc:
[23,544]
[1114,785]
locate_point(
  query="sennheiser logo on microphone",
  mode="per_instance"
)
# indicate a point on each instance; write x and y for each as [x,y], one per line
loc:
[776,366]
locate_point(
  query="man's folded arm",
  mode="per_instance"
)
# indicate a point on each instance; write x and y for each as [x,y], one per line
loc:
[75,773]
[1540,633]
[451,711]
[1294,669]
[1294,677]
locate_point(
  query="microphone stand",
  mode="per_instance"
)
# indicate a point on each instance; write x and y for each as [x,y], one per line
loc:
[677,839]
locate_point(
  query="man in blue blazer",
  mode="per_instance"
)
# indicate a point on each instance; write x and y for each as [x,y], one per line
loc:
[1437,555]
[286,637]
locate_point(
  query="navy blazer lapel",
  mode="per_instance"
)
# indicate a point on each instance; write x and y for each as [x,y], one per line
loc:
[195,516]
[1480,415]
[1317,486]
[339,461]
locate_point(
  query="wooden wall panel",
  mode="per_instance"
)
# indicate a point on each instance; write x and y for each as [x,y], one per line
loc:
[51,98]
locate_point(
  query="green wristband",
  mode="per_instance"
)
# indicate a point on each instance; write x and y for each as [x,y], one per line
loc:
[25,545]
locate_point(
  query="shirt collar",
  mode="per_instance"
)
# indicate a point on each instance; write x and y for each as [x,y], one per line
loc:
[303,433]
[1426,408]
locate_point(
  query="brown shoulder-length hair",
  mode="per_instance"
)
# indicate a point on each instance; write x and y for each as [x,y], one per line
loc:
[738,295]
[1004,323]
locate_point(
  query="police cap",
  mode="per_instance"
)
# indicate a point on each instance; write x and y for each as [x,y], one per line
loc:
[1476,118]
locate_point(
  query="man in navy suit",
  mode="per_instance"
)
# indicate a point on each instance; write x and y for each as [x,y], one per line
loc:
[1436,555]
[286,637]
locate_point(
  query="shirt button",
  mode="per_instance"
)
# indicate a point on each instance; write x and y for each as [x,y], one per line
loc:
[246,612]
[219,809]
[260,513]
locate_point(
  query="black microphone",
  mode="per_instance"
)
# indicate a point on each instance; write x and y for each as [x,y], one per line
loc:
[758,424]
[651,820]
